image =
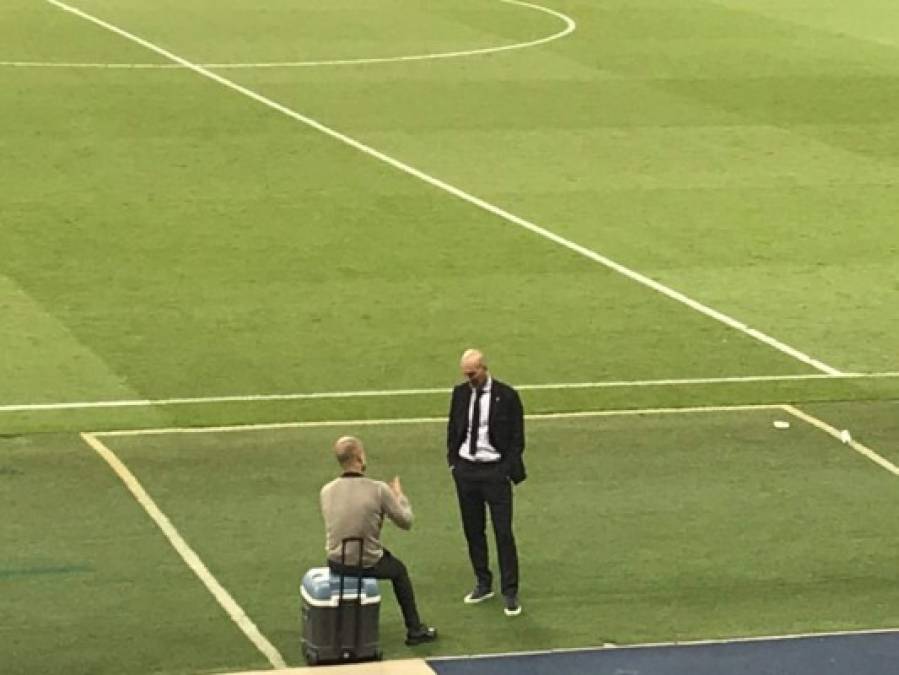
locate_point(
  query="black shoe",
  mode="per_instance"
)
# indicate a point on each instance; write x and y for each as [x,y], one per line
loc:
[512,607]
[479,594]
[422,635]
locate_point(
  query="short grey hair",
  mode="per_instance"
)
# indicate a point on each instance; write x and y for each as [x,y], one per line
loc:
[474,355]
[347,449]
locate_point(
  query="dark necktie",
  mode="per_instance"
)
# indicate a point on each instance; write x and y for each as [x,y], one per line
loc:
[475,423]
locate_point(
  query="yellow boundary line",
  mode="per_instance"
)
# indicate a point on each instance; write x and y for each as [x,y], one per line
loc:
[190,557]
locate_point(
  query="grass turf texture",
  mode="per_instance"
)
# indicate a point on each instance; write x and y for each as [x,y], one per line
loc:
[161,236]
[88,584]
[631,529]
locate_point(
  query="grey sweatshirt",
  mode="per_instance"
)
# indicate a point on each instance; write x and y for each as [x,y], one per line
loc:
[355,506]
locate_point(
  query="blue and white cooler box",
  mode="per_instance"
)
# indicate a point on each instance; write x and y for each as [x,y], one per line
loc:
[335,631]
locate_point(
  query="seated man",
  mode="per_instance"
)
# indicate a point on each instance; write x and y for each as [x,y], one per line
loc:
[355,506]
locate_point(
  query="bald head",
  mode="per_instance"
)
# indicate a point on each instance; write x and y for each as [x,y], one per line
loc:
[350,453]
[472,357]
[474,367]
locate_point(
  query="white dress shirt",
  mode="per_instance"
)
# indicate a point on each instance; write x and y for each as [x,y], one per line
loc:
[484,451]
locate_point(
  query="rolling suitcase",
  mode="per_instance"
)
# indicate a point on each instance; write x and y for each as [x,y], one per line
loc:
[340,614]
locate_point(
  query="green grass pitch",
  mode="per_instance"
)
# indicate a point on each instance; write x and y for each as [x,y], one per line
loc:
[162,236]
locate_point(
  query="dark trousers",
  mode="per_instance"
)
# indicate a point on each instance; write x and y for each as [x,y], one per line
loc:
[391,568]
[479,487]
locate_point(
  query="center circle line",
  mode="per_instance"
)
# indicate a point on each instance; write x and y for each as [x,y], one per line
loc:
[569,28]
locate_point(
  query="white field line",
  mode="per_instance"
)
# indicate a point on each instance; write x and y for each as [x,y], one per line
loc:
[431,391]
[569,28]
[187,553]
[393,421]
[461,194]
[660,645]
[837,434]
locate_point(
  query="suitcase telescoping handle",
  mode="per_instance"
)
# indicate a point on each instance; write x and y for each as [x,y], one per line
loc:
[358,604]
[358,566]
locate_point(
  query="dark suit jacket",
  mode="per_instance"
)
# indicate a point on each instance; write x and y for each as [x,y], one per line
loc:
[505,426]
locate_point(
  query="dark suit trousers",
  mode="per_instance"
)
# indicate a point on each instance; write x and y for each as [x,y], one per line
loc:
[479,486]
[391,568]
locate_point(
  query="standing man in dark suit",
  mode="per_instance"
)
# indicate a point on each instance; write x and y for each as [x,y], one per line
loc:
[484,443]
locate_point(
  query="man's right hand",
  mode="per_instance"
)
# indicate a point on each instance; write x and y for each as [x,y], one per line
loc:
[395,486]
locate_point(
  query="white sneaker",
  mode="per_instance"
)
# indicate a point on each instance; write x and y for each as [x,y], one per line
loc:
[478,595]
[512,607]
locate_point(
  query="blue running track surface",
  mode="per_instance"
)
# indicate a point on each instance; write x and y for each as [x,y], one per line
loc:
[875,653]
